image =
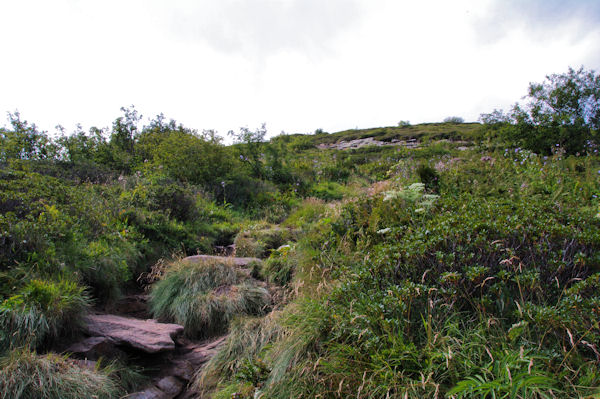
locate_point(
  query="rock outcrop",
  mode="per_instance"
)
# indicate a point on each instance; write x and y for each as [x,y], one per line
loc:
[147,335]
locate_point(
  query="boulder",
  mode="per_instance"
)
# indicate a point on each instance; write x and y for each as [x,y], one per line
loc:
[191,356]
[170,385]
[182,369]
[147,335]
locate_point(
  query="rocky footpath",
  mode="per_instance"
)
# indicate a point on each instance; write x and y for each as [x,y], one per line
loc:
[126,333]
[160,348]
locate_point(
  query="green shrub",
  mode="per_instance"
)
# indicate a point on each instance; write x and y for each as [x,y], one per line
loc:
[26,375]
[489,288]
[204,296]
[279,268]
[259,240]
[328,191]
[310,211]
[429,177]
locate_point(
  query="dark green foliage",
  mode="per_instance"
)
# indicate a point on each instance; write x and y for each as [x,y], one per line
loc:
[429,176]
[562,111]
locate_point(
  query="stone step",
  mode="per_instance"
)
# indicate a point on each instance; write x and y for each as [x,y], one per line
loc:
[147,335]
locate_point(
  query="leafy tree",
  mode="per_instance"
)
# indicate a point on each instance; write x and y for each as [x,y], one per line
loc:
[276,154]
[25,141]
[251,148]
[80,147]
[123,137]
[564,110]
[454,119]
[152,136]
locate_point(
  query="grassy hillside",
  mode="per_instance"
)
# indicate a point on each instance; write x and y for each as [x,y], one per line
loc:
[421,132]
[462,273]
[460,266]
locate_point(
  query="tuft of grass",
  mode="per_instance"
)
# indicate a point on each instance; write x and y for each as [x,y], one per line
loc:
[246,342]
[130,377]
[279,268]
[205,296]
[42,312]
[27,375]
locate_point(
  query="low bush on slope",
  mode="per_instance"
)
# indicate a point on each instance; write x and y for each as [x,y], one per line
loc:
[490,288]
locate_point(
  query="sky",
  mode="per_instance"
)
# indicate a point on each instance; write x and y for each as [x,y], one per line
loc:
[296,65]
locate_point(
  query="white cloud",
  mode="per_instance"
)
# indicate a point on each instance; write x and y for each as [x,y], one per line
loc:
[297,65]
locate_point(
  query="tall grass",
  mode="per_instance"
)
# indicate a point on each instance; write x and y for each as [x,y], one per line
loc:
[26,375]
[246,342]
[42,312]
[259,240]
[205,296]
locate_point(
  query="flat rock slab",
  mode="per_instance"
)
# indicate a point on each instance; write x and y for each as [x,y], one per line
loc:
[241,262]
[147,335]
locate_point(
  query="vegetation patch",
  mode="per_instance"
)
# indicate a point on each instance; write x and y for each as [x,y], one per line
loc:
[27,375]
[41,313]
[205,296]
[259,240]
[244,349]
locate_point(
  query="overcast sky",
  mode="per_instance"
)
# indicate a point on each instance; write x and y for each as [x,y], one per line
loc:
[296,65]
